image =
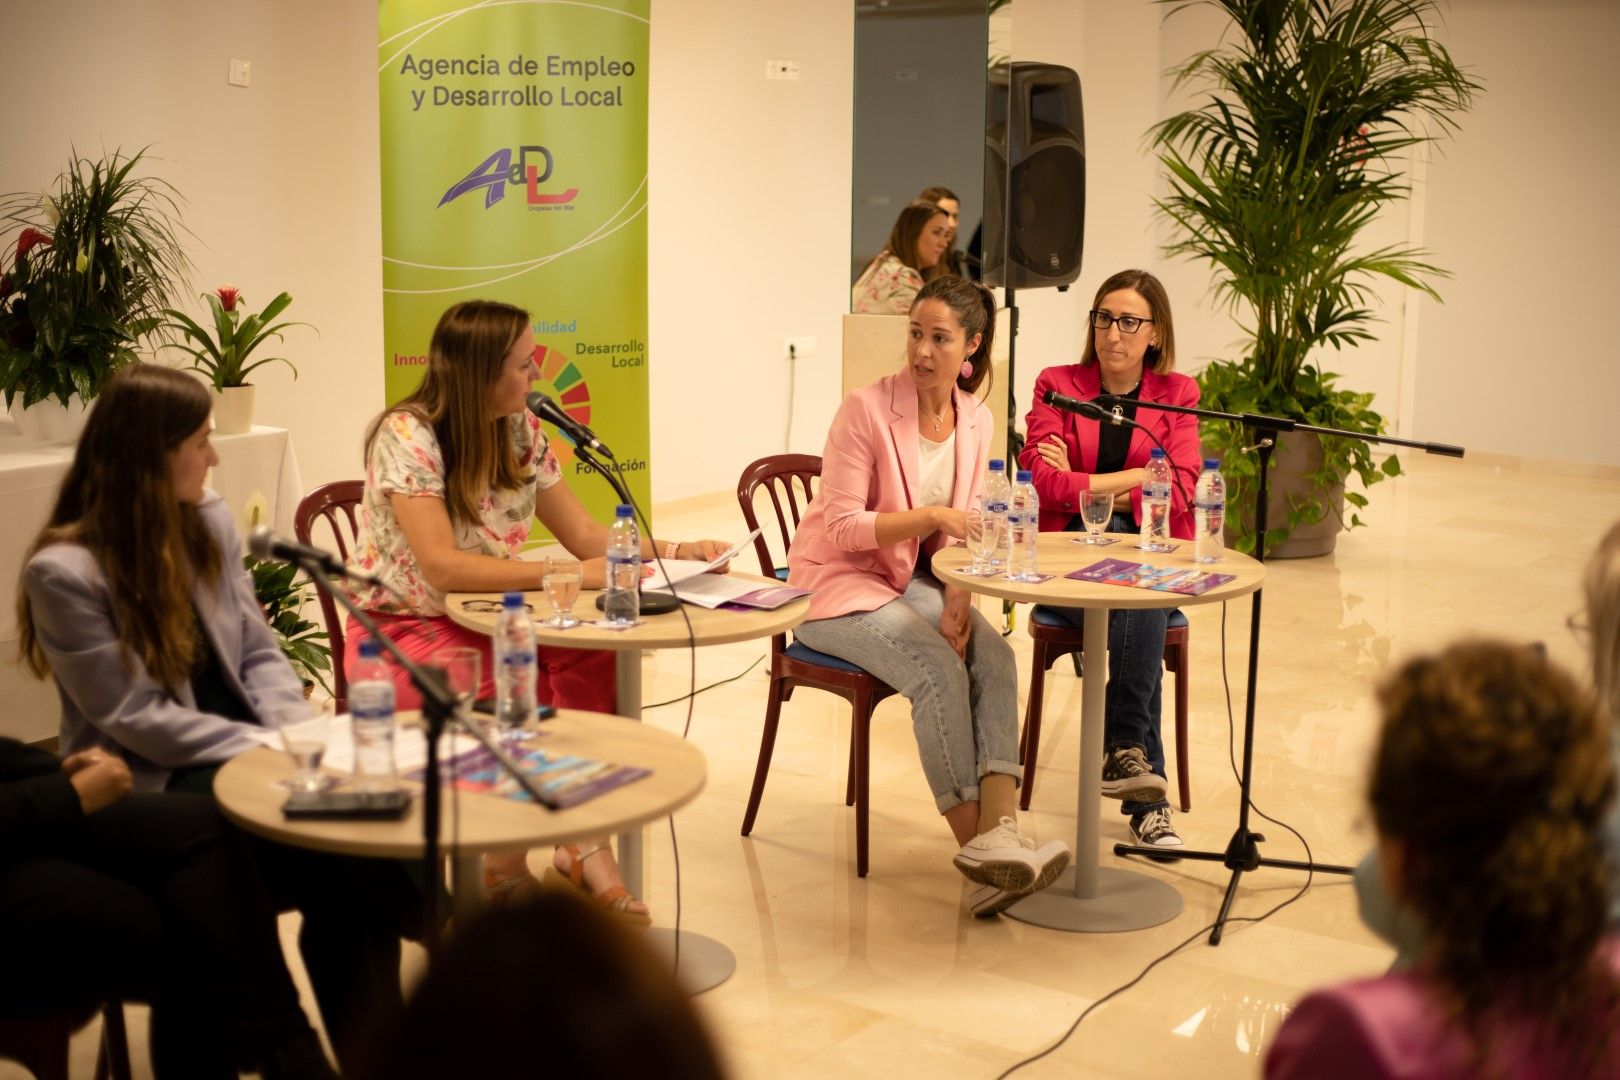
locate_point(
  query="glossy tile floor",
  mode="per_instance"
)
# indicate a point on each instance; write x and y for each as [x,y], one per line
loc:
[839,976]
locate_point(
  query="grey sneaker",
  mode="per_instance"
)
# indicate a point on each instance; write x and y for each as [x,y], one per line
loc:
[1153,829]
[1127,775]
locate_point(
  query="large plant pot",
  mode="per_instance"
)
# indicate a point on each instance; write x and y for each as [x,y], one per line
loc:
[1299,453]
[233,410]
[50,420]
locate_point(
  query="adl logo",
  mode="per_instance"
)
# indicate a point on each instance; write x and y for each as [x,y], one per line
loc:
[498,170]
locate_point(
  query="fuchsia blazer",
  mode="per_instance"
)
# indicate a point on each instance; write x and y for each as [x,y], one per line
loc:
[870,467]
[1060,491]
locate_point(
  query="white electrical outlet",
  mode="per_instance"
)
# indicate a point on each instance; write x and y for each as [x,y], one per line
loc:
[798,348]
[241,72]
[781,69]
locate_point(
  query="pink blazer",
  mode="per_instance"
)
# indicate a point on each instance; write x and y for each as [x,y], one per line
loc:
[868,467]
[1060,491]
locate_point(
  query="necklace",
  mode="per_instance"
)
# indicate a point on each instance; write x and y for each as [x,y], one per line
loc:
[1123,393]
[938,417]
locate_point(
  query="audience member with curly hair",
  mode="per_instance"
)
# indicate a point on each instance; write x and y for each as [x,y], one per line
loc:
[1490,786]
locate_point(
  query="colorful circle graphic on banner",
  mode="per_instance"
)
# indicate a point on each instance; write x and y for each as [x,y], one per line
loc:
[566,384]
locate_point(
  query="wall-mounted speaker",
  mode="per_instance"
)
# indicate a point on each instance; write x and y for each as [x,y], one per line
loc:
[1034,176]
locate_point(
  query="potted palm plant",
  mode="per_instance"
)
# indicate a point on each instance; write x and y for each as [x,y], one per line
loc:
[93,267]
[1309,112]
[223,354]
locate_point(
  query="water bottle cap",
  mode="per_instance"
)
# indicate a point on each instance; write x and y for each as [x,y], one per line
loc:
[1156,453]
[997,465]
[370,648]
[1212,463]
[623,511]
[1023,476]
[512,600]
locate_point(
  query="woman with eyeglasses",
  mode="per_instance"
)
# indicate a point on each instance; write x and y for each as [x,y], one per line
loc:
[456,474]
[917,243]
[1130,353]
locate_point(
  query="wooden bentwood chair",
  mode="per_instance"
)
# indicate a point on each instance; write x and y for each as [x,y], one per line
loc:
[787,479]
[334,503]
[1056,637]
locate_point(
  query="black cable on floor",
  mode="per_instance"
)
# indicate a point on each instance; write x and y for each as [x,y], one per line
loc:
[701,689]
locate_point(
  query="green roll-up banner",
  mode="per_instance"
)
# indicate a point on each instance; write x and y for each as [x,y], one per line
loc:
[514,167]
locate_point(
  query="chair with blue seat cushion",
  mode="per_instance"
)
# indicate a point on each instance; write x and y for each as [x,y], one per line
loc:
[1056,637]
[788,480]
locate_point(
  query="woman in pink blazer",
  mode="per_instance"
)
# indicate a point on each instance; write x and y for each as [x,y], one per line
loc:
[903,464]
[1130,353]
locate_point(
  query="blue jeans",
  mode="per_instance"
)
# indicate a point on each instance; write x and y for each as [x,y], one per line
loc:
[1135,678]
[964,715]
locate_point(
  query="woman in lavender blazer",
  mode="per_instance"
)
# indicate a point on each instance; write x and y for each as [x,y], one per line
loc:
[903,464]
[135,600]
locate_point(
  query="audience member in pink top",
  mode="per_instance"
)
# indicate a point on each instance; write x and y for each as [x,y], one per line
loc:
[1490,785]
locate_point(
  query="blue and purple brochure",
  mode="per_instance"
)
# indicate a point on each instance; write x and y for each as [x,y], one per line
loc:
[565,780]
[1183,581]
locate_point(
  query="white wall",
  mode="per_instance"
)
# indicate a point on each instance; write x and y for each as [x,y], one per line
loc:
[749,220]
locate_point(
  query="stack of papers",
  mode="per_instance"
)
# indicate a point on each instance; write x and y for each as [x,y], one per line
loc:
[695,582]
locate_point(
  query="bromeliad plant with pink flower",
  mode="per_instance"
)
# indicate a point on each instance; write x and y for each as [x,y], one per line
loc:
[223,354]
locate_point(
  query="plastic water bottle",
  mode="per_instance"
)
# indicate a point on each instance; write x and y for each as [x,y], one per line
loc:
[514,667]
[1156,503]
[371,713]
[1023,528]
[996,493]
[622,604]
[1209,513]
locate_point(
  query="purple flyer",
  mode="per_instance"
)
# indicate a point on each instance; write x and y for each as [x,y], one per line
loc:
[1182,581]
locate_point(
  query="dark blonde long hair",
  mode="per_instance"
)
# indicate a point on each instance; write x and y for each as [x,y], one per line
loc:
[464,357]
[1494,772]
[118,501]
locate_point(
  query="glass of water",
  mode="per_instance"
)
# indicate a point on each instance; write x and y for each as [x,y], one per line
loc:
[1096,510]
[304,735]
[983,533]
[563,575]
[461,666]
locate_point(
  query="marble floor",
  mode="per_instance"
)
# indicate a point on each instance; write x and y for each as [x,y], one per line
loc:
[840,976]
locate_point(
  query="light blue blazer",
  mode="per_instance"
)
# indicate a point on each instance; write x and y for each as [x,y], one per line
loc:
[121,708]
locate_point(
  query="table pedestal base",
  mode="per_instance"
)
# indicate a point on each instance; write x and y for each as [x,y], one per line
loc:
[705,962]
[1125,900]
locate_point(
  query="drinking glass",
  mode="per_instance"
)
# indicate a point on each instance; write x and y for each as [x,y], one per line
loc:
[461,670]
[304,735]
[1096,510]
[562,578]
[983,532]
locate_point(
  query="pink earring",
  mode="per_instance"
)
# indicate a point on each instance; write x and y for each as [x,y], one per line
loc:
[967,369]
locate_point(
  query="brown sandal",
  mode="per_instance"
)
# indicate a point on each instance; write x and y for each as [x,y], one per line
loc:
[521,888]
[615,898]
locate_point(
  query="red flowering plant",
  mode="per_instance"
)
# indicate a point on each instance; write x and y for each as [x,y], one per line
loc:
[87,279]
[223,354]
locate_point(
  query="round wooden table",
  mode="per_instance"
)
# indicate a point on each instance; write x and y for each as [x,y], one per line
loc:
[249,791]
[1089,897]
[705,962]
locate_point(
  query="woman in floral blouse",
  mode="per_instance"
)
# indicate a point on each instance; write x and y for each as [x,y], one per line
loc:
[887,286]
[455,475]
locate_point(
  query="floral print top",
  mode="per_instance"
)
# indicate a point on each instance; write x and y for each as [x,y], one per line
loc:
[886,287]
[405,459]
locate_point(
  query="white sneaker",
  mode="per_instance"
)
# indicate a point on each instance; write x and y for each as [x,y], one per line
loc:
[1003,858]
[985,901]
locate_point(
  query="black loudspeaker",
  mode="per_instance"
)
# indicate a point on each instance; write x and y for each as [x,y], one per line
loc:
[1034,176]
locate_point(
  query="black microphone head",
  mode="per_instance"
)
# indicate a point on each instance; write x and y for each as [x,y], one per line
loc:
[537,403]
[1049,398]
[260,541]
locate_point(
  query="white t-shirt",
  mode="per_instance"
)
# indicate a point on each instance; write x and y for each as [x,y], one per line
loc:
[936,471]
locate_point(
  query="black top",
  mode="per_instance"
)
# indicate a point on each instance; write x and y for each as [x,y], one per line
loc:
[208,683]
[1114,441]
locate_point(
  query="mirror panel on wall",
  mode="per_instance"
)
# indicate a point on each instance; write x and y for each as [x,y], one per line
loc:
[919,114]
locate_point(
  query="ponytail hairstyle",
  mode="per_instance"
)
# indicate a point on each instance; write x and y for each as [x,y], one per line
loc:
[464,357]
[1493,774]
[1602,588]
[974,306]
[118,501]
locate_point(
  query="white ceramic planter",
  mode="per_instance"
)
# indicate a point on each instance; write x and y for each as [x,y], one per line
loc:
[233,410]
[50,420]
